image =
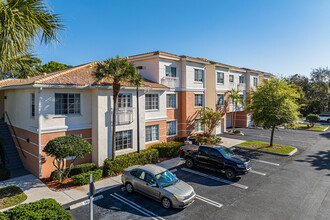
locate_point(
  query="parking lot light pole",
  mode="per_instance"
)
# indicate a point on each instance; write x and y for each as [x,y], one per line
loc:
[91,194]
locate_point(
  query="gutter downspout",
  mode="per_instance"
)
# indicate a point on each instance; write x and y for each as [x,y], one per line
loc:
[39,130]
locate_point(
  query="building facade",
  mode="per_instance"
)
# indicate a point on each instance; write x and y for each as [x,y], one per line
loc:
[74,102]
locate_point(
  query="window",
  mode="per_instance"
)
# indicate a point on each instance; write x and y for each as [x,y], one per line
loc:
[199,75]
[170,71]
[220,77]
[152,133]
[67,103]
[171,101]
[124,101]
[152,101]
[33,104]
[231,78]
[198,126]
[139,174]
[199,100]
[123,140]
[204,151]
[150,179]
[215,153]
[255,81]
[241,79]
[171,128]
[220,100]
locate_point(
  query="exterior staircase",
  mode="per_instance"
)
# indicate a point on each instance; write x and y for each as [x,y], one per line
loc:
[13,161]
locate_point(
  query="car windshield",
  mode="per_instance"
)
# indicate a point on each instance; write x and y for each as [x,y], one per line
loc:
[166,178]
[226,152]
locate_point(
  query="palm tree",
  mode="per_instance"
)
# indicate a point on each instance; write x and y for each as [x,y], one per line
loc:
[237,99]
[3,142]
[137,81]
[119,70]
[21,23]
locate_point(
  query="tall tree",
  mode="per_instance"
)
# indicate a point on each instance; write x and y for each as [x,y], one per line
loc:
[119,70]
[210,119]
[274,104]
[137,81]
[51,66]
[237,99]
[21,23]
[320,78]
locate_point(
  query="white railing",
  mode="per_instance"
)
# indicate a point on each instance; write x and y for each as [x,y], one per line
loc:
[124,116]
[170,82]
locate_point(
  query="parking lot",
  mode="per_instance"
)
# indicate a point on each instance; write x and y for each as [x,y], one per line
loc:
[278,187]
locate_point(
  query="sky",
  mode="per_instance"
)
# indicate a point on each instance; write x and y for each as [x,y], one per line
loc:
[283,37]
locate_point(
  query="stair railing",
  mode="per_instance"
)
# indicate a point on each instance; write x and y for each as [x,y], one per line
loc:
[12,128]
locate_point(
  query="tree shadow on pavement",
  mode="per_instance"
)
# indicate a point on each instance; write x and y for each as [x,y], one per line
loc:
[321,160]
[325,135]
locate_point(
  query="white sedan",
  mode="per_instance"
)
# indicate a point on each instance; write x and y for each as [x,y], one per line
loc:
[325,117]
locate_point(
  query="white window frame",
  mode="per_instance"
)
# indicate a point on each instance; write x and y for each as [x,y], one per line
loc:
[176,128]
[176,100]
[202,126]
[152,138]
[233,76]
[68,114]
[255,81]
[203,72]
[176,73]
[33,105]
[219,77]
[125,94]
[150,110]
[241,77]
[223,95]
[203,100]
[128,148]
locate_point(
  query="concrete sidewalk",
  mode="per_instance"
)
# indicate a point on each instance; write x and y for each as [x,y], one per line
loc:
[230,142]
[36,190]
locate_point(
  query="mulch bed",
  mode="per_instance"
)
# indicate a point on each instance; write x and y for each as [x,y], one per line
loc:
[275,147]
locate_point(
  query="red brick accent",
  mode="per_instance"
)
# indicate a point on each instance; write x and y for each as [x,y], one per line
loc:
[162,131]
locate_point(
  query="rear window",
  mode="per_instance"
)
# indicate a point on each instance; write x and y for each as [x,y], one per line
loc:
[203,150]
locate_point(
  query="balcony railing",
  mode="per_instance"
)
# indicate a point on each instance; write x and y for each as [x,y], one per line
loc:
[124,116]
[171,82]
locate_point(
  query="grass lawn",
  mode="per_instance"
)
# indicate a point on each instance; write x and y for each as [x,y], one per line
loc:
[315,128]
[278,148]
[11,195]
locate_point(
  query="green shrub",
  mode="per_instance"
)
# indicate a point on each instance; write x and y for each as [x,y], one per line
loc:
[312,119]
[236,131]
[77,169]
[112,167]
[215,140]
[3,216]
[42,209]
[4,174]
[170,149]
[180,139]
[82,179]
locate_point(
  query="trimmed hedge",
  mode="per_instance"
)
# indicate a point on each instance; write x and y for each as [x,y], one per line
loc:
[169,149]
[4,174]
[123,161]
[42,209]
[77,169]
[82,179]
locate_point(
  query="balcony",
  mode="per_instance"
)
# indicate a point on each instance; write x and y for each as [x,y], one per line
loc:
[171,82]
[124,116]
[241,86]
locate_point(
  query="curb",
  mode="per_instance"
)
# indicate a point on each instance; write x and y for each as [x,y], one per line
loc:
[327,128]
[270,152]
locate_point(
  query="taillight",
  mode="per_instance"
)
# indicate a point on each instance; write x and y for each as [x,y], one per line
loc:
[180,151]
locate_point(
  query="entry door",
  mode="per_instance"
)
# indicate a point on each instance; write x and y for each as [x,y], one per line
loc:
[228,119]
[219,129]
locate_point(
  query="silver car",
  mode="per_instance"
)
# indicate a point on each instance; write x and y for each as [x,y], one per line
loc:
[159,184]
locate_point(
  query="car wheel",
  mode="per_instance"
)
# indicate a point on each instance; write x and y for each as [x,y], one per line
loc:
[129,188]
[166,203]
[189,162]
[230,174]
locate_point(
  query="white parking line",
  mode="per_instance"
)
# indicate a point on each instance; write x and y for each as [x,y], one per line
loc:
[256,172]
[209,201]
[262,161]
[136,207]
[215,178]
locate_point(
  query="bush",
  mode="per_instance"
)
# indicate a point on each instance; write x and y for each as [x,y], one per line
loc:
[215,140]
[3,216]
[4,174]
[170,149]
[42,209]
[112,167]
[77,169]
[82,179]
[180,139]
[236,131]
[312,119]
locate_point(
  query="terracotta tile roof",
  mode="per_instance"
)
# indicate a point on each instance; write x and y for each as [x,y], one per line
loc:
[78,76]
[257,71]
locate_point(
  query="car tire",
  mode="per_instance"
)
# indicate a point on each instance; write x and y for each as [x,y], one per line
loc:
[230,174]
[166,203]
[129,187]
[189,162]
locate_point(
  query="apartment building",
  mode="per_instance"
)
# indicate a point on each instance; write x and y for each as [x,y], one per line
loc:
[74,102]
